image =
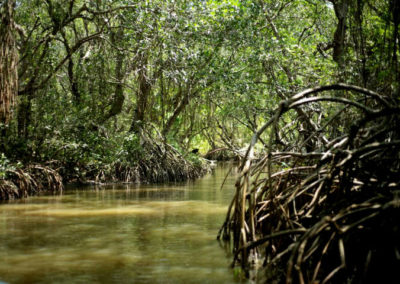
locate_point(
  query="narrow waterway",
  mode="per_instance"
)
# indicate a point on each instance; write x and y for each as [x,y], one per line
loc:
[119,234]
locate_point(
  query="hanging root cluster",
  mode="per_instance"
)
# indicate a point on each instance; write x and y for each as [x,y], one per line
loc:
[224,154]
[158,163]
[323,205]
[29,181]
[154,162]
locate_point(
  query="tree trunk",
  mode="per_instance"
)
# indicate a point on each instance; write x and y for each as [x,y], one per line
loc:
[24,115]
[119,98]
[395,8]
[8,61]
[341,9]
[180,107]
[143,94]
[73,81]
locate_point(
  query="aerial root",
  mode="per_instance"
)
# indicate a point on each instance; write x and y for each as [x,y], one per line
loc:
[321,203]
[29,181]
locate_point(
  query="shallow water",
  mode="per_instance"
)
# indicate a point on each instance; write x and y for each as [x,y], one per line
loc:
[119,234]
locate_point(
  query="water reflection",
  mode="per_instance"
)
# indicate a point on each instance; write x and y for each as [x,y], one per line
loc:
[118,234]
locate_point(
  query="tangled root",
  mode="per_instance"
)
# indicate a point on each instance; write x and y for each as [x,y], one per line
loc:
[332,213]
[160,162]
[155,162]
[29,181]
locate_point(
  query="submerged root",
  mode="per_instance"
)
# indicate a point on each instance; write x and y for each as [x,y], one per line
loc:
[8,190]
[332,213]
[154,162]
[163,163]
[29,181]
[224,154]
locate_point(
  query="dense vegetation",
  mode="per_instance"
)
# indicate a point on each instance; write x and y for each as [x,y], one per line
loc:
[125,90]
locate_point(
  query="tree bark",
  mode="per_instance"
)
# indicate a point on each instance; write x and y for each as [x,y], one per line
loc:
[341,9]
[119,98]
[24,115]
[179,108]
[143,94]
[8,61]
[71,74]
[395,8]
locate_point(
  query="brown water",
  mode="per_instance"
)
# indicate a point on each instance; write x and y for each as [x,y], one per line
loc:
[118,234]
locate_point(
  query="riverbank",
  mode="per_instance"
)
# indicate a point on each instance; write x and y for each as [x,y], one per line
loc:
[157,163]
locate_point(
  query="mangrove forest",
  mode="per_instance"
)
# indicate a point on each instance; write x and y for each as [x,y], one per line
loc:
[201,141]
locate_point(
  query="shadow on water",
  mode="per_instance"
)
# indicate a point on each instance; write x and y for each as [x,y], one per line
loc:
[119,234]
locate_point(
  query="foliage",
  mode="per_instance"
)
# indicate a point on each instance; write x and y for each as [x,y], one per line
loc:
[5,166]
[125,90]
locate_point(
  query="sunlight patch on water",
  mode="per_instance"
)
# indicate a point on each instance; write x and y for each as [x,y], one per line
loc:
[189,207]
[137,234]
[145,208]
[22,207]
[76,212]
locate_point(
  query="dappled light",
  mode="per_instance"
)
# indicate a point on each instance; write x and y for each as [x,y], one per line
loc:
[113,234]
[111,111]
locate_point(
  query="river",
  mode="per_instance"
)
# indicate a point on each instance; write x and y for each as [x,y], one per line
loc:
[119,234]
